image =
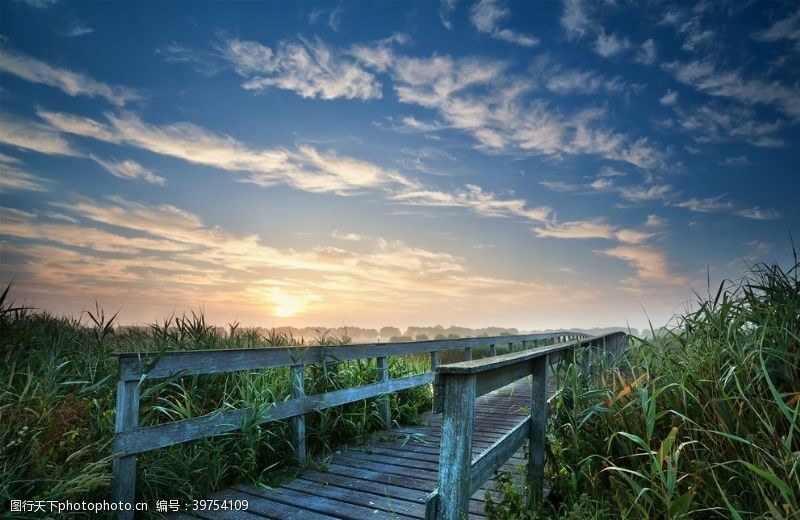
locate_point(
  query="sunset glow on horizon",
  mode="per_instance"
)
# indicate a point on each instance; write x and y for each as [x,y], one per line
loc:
[531,165]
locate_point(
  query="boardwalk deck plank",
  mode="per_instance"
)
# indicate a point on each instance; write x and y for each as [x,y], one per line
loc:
[389,476]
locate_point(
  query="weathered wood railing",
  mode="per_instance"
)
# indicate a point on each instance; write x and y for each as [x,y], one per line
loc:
[461,383]
[131,440]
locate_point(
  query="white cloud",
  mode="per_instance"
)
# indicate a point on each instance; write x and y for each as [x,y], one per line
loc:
[129,169]
[446,8]
[646,193]
[739,160]
[582,82]
[487,15]
[14,178]
[201,61]
[610,45]
[650,264]
[309,68]
[706,205]
[592,228]
[305,167]
[647,52]
[757,213]
[715,123]
[670,98]
[717,204]
[77,29]
[475,198]
[786,29]
[350,237]
[574,19]
[577,229]
[33,136]
[72,83]
[705,77]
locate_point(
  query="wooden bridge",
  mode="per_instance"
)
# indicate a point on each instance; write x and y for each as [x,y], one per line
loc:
[486,410]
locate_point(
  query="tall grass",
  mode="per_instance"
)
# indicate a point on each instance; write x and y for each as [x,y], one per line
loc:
[701,421]
[57,399]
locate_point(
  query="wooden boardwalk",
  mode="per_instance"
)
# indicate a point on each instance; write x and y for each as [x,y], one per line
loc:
[387,477]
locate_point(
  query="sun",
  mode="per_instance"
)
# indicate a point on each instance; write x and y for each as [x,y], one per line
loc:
[286,305]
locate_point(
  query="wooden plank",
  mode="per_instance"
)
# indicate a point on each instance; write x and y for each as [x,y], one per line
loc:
[484,466]
[167,434]
[382,504]
[167,364]
[123,469]
[455,454]
[328,506]
[414,484]
[271,509]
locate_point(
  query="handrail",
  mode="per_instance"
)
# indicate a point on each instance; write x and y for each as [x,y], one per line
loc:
[130,439]
[460,384]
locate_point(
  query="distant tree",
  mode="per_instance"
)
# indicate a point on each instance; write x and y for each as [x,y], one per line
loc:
[389,332]
[440,336]
[422,337]
[453,336]
[400,339]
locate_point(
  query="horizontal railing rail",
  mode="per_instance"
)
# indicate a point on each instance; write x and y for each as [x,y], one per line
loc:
[135,368]
[461,383]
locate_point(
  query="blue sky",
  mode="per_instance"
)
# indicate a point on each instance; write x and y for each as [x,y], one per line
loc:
[540,164]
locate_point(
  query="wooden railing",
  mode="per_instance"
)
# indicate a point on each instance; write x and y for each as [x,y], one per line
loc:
[131,440]
[461,383]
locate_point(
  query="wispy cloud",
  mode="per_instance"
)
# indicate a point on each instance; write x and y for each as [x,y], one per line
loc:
[487,15]
[706,77]
[610,45]
[645,193]
[13,177]
[305,167]
[33,136]
[475,198]
[670,98]
[309,68]
[33,70]
[201,61]
[130,170]
[649,262]
[446,8]
[592,228]
[785,29]
[647,52]
[719,204]
[739,160]
[575,19]
[713,122]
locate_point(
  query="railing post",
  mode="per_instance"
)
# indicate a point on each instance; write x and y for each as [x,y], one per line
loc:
[524,344]
[455,454]
[123,472]
[437,383]
[298,422]
[511,346]
[536,439]
[468,353]
[493,350]
[383,401]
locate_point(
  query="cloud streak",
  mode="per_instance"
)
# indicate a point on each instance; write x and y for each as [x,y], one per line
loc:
[72,83]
